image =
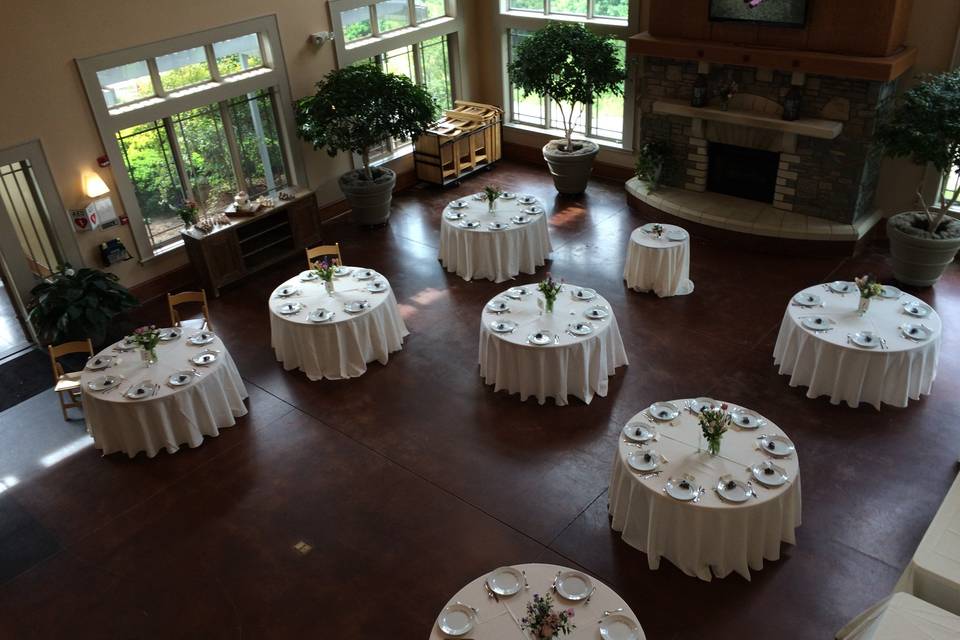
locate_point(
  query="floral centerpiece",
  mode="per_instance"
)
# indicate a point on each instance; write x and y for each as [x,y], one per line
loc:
[869,288]
[713,424]
[325,269]
[651,159]
[188,213]
[147,338]
[491,193]
[545,623]
[727,90]
[658,229]
[550,288]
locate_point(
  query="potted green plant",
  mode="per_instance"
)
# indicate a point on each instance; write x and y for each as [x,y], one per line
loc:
[566,63]
[76,304]
[652,157]
[925,127]
[356,109]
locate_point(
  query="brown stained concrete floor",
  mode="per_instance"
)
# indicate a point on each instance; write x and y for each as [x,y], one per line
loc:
[415,478]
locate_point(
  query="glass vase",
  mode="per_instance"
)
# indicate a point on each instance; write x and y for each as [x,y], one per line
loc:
[548,304]
[328,285]
[491,206]
[148,356]
[863,306]
[713,446]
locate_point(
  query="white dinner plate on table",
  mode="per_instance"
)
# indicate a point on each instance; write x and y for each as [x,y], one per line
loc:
[181,378]
[526,199]
[377,286]
[663,411]
[502,326]
[125,345]
[453,215]
[865,339]
[580,328]
[698,405]
[540,338]
[498,305]
[533,211]
[289,308]
[520,219]
[339,272]
[573,585]
[286,292]
[505,581]
[357,306]
[915,332]
[518,292]
[366,274]
[676,235]
[596,313]
[202,338]
[457,620]
[102,383]
[321,315]
[583,293]
[916,309]
[746,419]
[817,323]
[619,627]
[459,204]
[769,474]
[141,391]
[169,334]
[98,363]
[204,357]
[482,197]
[684,489]
[732,490]
[639,432]
[497,226]
[508,195]
[469,224]
[309,276]
[807,299]
[841,286]
[643,460]
[890,292]
[777,446]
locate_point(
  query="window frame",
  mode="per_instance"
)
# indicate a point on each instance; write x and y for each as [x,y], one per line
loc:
[270,76]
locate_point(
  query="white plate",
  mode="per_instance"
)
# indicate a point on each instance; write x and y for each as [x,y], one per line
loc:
[141,391]
[915,332]
[125,345]
[676,235]
[526,199]
[289,308]
[98,363]
[540,338]
[181,378]
[582,293]
[699,404]
[732,490]
[684,489]
[638,432]
[596,313]
[459,204]
[619,627]
[505,581]
[308,276]
[580,328]
[502,326]
[102,383]
[817,323]
[643,459]
[865,339]
[776,446]
[286,292]
[532,211]
[169,334]
[453,215]
[916,309]
[339,272]
[807,299]
[518,292]
[521,219]
[482,197]
[357,306]
[746,419]
[769,474]
[321,315]
[573,585]
[498,305]
[377,286]
[366,274]
[508,195]
[498,226]
[890,292]
[202,338]
[457,620]
[663,411]
[469,224]
[841,286]
[204,358]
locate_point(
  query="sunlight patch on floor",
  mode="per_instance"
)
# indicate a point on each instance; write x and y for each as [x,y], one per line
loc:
[67,450]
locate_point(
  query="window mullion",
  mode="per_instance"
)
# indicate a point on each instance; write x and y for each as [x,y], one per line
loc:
[212,63]
[412,13]
[155,80]
[374,21]
[418,64]
[232,145]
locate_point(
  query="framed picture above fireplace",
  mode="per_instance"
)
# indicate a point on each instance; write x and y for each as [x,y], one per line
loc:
[774,13]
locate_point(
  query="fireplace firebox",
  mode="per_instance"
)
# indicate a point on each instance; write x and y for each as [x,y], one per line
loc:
[742,172]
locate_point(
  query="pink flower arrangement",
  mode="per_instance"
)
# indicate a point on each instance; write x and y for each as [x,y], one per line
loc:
[545,622]
[326,268]
[146,337]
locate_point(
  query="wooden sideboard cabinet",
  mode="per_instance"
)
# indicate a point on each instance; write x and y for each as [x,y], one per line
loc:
[248,244]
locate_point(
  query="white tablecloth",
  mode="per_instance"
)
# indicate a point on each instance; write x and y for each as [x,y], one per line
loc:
[904,617]
[657,264]
[176,415]
[577,365]
[341,347]
[497,620]
[828,365]
[712,534]
[496,255]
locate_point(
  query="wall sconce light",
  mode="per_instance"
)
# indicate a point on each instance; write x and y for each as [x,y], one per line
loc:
[320,37]
[94,186]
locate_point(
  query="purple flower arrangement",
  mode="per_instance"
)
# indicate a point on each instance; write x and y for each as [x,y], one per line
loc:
[544,622]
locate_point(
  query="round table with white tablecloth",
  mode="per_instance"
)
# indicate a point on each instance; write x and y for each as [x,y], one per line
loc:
[713,535]
[825,345]
[659,263]
[200,400]
[498,245]
[904,617]
[565,363]
[334,335]
[499,618]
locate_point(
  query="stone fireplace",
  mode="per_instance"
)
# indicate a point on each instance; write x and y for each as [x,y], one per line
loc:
[742,172]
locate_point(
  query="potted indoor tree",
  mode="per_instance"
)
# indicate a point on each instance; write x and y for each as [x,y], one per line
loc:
[566,63]
[356,109]
[925,127]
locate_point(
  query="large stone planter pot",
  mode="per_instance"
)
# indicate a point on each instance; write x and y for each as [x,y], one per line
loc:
[570,169]
[919,258]
[369,199]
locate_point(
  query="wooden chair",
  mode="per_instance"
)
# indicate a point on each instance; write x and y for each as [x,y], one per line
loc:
[67,385]
[175,299]
[324,250]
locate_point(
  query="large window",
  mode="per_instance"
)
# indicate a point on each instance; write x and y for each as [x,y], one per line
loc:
[361,19]
[590,9]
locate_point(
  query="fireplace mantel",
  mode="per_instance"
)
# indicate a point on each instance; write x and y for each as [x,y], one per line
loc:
[814,128]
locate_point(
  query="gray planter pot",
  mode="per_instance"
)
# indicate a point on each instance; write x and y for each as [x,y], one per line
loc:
[369,199]
[918,260]
[570,169]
